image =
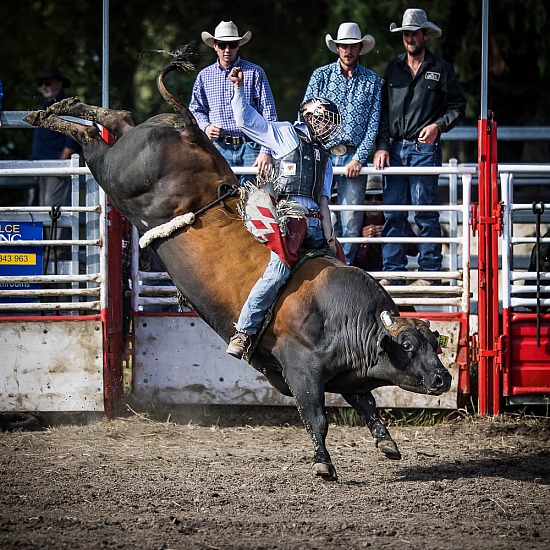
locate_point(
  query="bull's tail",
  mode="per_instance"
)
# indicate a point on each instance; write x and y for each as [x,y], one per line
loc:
[180,61]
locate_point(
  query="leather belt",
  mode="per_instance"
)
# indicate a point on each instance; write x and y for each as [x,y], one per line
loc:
[230,140]
[317,215]
[342,149]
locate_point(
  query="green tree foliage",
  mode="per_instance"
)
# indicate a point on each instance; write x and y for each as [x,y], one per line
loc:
[288,42]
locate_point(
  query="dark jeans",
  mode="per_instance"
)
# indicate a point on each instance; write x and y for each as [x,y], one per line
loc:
[350,191]
[414,190]
[243,154]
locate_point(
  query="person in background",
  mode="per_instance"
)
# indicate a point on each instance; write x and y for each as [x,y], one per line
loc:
[369,255]
[211,99]
[303,179]
[49,145]
[356,91]
[421,99]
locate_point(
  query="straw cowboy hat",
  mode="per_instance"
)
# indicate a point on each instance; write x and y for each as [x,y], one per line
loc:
[226,31]
[415,19]
[350,33]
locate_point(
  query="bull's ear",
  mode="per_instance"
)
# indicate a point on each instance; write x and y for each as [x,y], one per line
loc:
[382,343]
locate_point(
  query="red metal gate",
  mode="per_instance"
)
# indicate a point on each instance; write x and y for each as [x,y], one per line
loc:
[513,344]
[486,220]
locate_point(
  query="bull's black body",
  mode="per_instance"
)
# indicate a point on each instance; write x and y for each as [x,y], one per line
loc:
[327,333]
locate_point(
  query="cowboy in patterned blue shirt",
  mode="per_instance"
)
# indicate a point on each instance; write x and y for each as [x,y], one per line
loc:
[211,99]
[356,91]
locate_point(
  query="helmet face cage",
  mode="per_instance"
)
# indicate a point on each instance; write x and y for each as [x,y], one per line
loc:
[323,118]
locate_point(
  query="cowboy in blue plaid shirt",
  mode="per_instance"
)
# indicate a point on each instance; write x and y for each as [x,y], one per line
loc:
[357,91]
[211,99]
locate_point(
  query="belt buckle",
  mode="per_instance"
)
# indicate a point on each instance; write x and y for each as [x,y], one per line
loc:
[339,150]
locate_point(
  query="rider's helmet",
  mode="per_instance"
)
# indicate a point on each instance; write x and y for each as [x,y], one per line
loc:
[322,118]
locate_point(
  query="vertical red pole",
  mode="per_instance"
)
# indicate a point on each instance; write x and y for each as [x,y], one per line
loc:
[113,337]
[495,236]
[113,316]
[489,224]
[483,148]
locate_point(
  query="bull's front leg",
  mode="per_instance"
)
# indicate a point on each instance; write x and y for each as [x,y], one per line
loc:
[309,395]
[365,405]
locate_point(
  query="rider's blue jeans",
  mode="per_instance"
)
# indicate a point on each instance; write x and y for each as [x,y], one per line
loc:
[266,289]
[350,191]
[412,190]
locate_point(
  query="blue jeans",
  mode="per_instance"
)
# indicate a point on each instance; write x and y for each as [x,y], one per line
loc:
[350,191]
[243,154]
[265,291]
[414,190]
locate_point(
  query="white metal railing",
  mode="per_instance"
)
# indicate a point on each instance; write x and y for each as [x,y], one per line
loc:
[457,293]
[164,295]
[513,293]
[62,287]
[147,290]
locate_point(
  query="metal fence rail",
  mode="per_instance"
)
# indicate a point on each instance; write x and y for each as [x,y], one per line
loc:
[514,294]
[76,282]
[148,288]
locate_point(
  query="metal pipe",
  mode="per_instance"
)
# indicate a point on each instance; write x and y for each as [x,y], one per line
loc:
[105,57]
[484,58]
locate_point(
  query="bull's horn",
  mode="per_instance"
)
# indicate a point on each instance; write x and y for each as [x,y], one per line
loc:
[427,321]
[387,320]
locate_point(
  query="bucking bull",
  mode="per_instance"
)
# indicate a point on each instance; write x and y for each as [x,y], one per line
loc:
[333,329]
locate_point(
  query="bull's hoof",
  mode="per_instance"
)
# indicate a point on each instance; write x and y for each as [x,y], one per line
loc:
[326,472]
[389,448]
[34,117]
[63,105]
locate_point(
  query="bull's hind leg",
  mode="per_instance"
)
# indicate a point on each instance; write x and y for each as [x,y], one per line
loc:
[366,406]
[117,122]
[83,135]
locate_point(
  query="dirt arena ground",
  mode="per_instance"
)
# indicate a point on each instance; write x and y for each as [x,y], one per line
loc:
[245,482]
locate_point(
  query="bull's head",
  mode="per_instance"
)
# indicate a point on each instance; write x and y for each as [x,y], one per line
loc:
[408,355]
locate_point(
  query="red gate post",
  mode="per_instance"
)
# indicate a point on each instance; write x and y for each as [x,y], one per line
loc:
[113,337]
[489,225]
[113,315]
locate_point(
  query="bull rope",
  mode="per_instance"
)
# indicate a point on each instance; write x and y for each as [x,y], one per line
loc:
[166,229]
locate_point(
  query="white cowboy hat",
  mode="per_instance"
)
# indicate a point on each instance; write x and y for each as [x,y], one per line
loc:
[226,31]
[415,19]
[350,33]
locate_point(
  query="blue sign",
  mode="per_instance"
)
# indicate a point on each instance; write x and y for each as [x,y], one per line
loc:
[20,260]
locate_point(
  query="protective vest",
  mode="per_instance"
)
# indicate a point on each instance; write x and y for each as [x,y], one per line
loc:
[302,171]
